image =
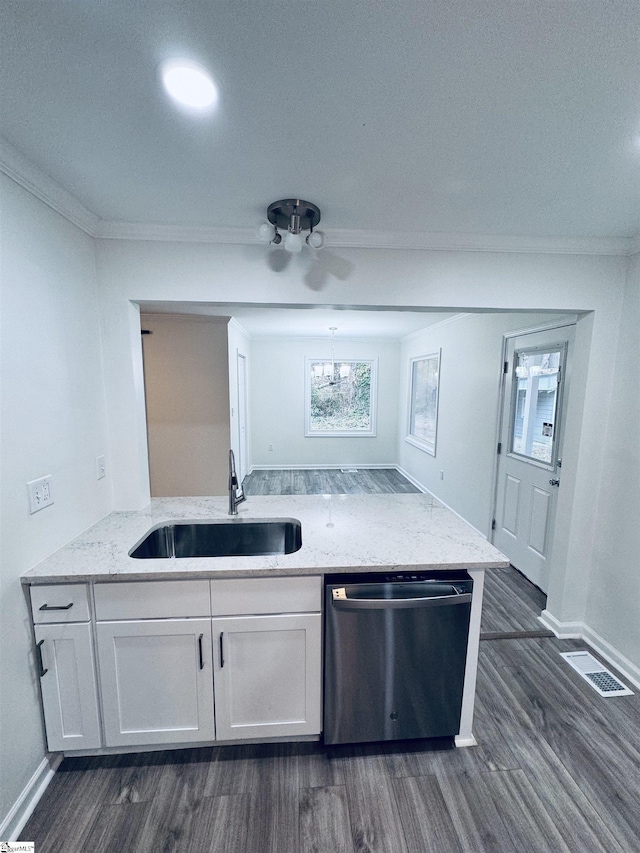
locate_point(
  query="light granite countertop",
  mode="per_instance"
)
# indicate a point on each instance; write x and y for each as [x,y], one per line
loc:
[355,533]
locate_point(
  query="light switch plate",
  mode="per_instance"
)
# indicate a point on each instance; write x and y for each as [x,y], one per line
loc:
[40,494]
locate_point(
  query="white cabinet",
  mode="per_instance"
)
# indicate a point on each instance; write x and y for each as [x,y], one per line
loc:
[267,672]
[64,651]
[267,667]
[156,681]
[161,658]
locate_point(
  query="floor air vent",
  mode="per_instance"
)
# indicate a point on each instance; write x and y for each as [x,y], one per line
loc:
[348,470]
[595,674]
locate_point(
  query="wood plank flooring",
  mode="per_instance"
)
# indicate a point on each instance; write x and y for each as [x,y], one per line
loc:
[557,768]
[327,481]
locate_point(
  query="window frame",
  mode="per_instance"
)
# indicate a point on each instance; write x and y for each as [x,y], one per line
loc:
[411,438]
[561,349]
[373,398]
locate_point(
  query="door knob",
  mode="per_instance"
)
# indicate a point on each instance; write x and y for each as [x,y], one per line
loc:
[554,482]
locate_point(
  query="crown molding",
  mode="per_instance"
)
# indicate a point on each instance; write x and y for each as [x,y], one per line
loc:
[481,243]
[17,167]
[235,324]
[402,241]
[438,325]
[33,179]
[177,233]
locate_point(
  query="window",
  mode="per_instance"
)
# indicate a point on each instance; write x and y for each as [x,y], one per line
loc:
[423,402]
[340,397]
[537,374]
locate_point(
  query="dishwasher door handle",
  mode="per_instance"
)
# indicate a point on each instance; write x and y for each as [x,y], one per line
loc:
[341,602]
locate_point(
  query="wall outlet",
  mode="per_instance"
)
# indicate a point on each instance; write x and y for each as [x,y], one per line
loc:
[271,447]
[40,494]
[100,467]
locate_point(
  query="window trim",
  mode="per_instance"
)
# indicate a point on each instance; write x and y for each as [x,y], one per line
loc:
[373,399]
[421,443]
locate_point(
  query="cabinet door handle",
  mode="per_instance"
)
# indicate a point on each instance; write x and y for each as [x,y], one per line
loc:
[42,670]
[200,650]
[56,607]
[221,652]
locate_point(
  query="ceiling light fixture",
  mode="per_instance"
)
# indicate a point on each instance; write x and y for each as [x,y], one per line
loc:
[293,216]
[189,84]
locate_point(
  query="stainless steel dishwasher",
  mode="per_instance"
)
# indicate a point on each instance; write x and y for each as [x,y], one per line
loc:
[395,654]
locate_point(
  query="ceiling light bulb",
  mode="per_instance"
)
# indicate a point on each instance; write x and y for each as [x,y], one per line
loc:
[316,239]
[266,232]
[293,242]
[189,84]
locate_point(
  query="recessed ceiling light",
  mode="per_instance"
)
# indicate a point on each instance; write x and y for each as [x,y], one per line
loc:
[189,84]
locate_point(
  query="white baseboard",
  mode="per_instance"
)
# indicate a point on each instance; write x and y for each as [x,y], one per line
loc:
[581,631]
[427,491]
[359,465]
[22,809]
[624,666]
[412,480]
[562,630]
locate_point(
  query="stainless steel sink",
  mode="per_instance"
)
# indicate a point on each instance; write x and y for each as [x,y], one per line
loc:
[237,538]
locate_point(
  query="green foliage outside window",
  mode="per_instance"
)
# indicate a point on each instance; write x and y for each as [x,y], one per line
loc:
[341,396]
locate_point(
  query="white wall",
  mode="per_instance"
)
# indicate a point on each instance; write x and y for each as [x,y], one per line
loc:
[613,607]
[470,372]
[187,401]
[493,281]
[278,404]
[53,422]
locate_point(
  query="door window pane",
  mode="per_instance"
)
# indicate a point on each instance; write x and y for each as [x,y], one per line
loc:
[535,404]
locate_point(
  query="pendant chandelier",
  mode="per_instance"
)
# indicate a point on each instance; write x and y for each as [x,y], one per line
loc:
[292,216]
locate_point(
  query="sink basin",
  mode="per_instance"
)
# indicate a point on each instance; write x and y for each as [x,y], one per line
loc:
[238,538]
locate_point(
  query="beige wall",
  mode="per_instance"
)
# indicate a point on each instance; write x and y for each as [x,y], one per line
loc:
[187,398]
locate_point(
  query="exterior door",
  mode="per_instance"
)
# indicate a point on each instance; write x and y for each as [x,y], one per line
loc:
[535,393]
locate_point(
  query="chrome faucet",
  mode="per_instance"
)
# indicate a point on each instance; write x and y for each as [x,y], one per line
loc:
[234,500]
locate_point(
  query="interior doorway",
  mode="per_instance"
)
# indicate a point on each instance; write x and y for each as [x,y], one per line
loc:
[242,416]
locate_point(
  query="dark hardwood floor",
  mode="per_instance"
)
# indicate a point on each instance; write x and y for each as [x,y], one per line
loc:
[327,481]
[557,768]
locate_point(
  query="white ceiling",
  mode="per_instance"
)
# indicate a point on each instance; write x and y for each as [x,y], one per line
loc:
[477,117]
[287,321]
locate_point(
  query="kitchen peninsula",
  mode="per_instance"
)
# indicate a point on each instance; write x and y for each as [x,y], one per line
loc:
[339,533]
[131,651]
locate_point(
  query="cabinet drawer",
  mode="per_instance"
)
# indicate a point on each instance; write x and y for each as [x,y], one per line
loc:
[65,602]
[256,596]
[152,599]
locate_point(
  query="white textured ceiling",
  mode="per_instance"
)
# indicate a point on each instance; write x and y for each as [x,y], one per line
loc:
[288,321]
[496,117]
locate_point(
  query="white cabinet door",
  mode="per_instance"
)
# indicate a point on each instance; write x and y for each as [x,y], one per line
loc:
[68,683]
[156,681]
[267,672]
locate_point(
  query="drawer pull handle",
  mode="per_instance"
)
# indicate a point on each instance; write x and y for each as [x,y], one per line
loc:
[42,671]
[221,652]
[200,650]
[56,607]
